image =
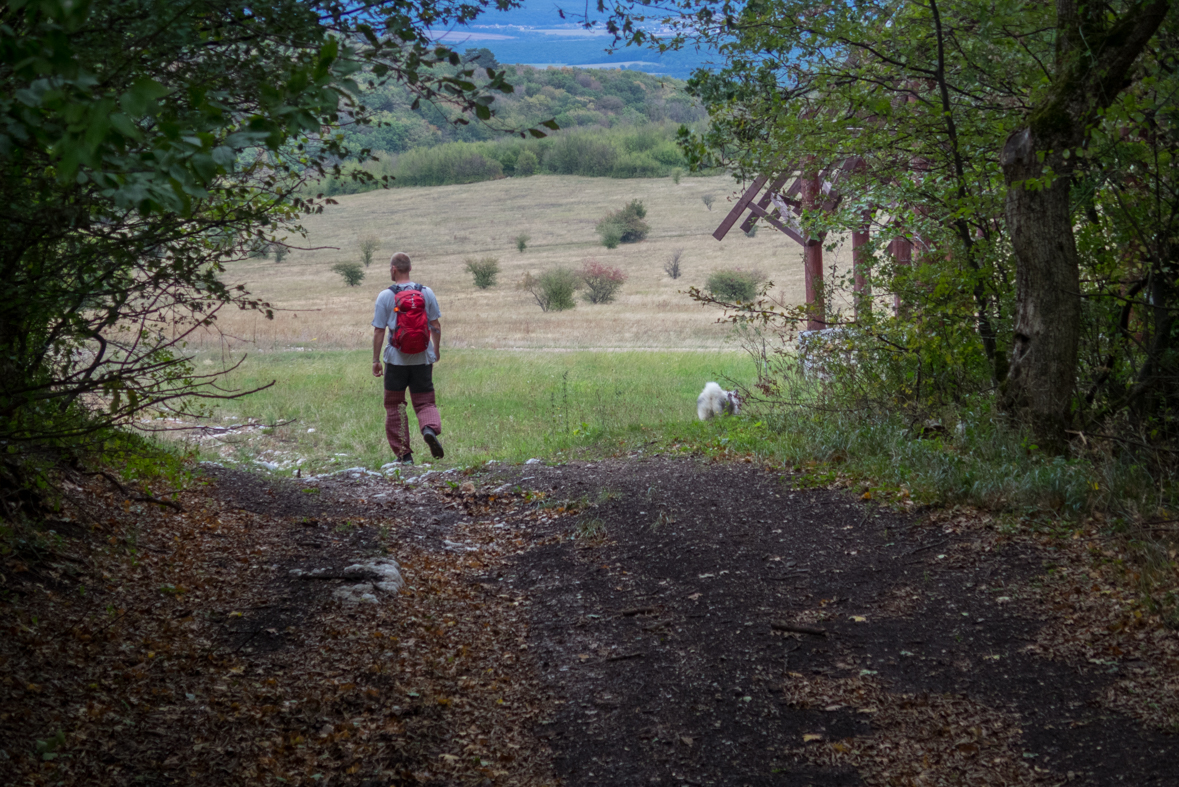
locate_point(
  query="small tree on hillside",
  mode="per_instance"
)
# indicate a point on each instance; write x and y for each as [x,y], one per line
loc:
[522,241]
[553,289]
[672,266]
[280,251]
[708,199]
[625,225]
[602,282]
[350,272]
[368,246]
[484,271]
[527,164]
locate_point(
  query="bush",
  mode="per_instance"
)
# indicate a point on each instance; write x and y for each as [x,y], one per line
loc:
[522,241]
[527,164]
[350,272]
[672,266]
[368,246]
[484,271]
[625,225]
[708,199]
[611,235]
[460,162]
[552,289]
[735,285]
[602,282]
[280,251]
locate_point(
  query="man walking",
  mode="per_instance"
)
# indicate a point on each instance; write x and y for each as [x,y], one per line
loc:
[408,311]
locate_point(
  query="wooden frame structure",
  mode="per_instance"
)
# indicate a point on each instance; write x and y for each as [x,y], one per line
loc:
[782,208]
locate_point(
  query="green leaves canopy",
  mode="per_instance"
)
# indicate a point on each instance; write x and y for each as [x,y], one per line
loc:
[143,144]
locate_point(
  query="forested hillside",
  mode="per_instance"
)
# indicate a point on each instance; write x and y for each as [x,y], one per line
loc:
[613,123]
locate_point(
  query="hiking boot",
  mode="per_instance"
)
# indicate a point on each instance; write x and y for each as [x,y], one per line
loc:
[405,460]
[431,439]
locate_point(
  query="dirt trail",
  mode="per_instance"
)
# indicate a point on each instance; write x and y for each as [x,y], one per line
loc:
[625,622]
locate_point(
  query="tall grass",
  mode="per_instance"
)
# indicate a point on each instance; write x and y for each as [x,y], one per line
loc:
[507,406]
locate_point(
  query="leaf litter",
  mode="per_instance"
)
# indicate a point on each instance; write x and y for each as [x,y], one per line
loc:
[543,638]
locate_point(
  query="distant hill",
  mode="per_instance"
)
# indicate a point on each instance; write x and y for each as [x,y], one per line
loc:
[574,97]
[613,123]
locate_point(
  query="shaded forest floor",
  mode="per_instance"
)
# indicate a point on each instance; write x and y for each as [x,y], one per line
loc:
[624,622]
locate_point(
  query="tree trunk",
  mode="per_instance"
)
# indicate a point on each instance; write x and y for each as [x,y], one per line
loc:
[1042,375]
[1095,51]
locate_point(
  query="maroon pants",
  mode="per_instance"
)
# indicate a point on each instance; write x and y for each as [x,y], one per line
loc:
[396,418]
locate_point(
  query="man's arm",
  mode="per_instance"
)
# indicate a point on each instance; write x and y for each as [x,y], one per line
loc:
[378,343]
[436,337]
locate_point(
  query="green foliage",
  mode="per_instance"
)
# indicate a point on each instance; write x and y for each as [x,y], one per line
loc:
[526,164]
[368,246]
[611,234]
[735,285]
[602,282]
[522,241]
[484,270]
[618,152]
[132,172]
[708,199]
[624,225]
[577,99]
[458,162]
[350,272]
[553,289]
[280,251]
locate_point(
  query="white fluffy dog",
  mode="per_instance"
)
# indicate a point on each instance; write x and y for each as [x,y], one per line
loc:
[714,400]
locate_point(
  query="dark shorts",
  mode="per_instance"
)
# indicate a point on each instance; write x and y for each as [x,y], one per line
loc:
[418,378]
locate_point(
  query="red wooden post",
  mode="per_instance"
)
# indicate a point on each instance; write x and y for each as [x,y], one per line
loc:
[813,260]
[861,260]
[902,251]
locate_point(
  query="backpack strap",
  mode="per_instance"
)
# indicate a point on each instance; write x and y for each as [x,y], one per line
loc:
[400,287]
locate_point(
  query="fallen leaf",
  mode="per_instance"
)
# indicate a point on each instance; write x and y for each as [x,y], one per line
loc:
[811,737]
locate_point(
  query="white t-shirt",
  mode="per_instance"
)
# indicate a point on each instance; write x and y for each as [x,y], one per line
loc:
[385,317]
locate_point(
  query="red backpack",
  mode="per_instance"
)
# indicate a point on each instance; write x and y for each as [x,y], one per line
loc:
[412,332]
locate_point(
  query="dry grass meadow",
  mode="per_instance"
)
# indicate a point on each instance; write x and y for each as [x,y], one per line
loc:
[441,227]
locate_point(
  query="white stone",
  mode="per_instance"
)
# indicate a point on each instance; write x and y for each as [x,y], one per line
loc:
[388,582]
[533,461]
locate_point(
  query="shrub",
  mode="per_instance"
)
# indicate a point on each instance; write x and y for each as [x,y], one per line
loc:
[708,199]
[751,232]
[460,162]
[368,246]
[280,251]
[553,289]
[625,225]
[611,235]
[672,266]
[735,285]
[484,271]
[527,164]
[602,282]
[350,272]
[522,241]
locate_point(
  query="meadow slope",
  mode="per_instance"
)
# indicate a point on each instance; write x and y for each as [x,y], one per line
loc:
[443,226]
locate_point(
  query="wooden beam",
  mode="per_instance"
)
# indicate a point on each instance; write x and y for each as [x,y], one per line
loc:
[739,207]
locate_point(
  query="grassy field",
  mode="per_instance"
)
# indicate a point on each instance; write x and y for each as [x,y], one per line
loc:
[504,405]
[443,226]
